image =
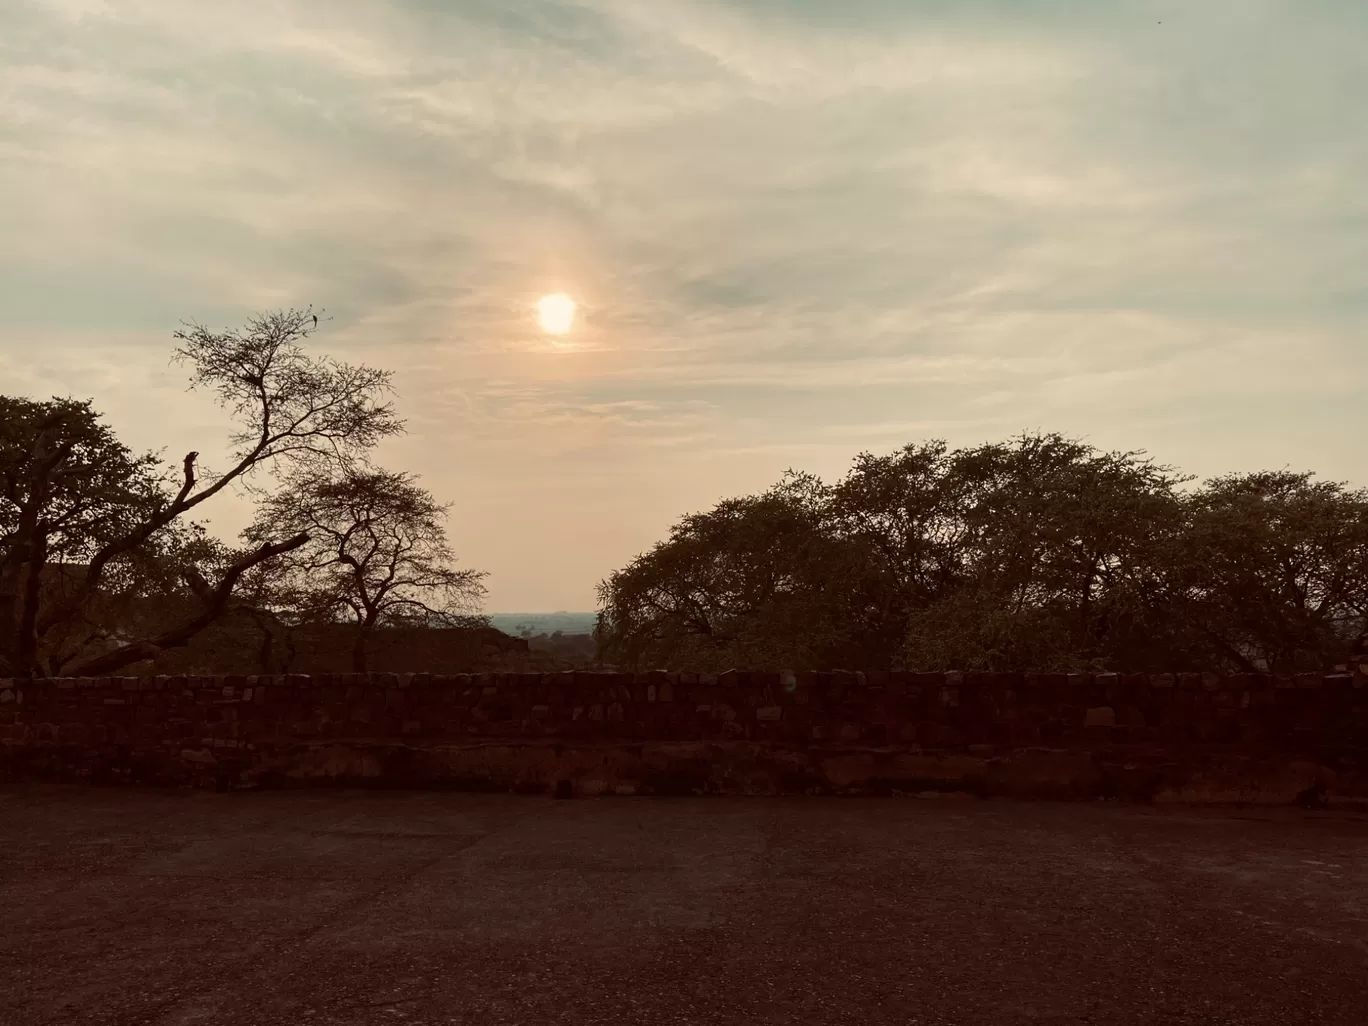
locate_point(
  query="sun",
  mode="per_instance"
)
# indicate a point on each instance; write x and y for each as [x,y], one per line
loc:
[556,313]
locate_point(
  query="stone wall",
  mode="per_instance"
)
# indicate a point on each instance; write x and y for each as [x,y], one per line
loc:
[1186,737]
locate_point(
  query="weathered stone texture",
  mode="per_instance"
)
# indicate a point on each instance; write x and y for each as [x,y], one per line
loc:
[1188,735]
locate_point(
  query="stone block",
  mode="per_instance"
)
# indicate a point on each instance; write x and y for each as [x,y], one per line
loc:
[1100,716]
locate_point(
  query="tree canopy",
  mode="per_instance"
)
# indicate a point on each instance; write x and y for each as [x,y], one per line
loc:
[84,522]
[1040,552]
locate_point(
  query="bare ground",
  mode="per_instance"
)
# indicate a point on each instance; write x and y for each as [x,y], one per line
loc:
[131,907]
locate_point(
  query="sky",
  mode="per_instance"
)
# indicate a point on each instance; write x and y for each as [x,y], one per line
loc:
[796,230]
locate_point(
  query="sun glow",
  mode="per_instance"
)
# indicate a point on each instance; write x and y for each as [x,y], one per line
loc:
[556,313]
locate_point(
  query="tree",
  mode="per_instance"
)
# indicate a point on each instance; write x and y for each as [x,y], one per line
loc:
[377,555]
[753,581]
[1038,552]
[904,514]
[75,498]
[1271,572]
[1057,545]
[68,487]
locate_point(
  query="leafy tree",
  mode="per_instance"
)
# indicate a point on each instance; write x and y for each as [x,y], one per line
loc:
[1271,572]
[377,555]
[903,517]
[68,487]
[751,581]
[1034,553]
[1057,542]
[68,490]
[74,498]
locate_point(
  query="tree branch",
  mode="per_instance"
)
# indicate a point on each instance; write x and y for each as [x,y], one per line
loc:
[215,605]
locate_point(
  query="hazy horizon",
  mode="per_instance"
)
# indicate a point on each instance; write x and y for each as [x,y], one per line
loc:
[793,230]
[547,612]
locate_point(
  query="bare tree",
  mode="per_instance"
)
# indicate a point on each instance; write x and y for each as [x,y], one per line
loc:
[59,496]
[377,555]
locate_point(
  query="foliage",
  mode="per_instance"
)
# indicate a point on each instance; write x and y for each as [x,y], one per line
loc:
[746,583]
[1272,571]
[377,555]
[1039,552]
[85,524]
[1055,540]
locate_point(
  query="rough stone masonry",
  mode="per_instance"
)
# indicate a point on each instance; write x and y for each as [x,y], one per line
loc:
[1197,737]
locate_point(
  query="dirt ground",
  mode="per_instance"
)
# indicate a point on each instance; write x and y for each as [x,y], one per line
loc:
[140,907]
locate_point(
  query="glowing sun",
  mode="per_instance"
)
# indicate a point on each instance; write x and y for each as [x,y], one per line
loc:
[556,313]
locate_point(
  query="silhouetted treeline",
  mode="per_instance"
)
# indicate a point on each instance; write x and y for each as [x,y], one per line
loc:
[1040,552]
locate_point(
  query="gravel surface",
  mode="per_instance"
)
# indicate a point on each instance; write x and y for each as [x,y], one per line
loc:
[145,907]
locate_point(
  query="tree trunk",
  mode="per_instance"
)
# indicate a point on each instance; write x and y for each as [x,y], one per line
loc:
[27,549]
[26,657]
[287,664]
[272,657]
[264,660]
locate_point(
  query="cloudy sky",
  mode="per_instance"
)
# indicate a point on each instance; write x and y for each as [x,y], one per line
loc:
[797,229]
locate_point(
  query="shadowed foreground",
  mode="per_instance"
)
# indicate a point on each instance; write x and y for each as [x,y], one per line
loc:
[129,906]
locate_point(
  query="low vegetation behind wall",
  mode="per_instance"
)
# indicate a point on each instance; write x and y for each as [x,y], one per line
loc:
[1131,736]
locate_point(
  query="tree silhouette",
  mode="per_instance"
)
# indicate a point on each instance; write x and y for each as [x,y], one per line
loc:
[73,497]
[377,555]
